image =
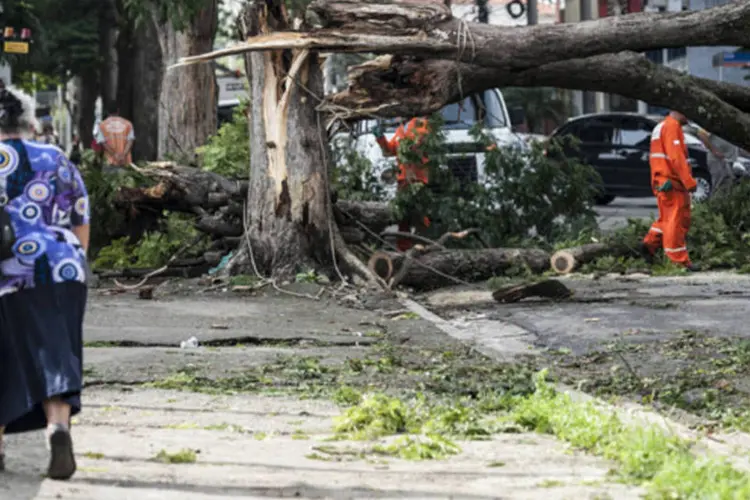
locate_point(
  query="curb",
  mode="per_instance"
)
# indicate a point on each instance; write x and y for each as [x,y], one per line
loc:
[734,446]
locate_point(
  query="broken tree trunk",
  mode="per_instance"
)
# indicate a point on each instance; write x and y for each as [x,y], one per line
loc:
[289,216]
[452,267]
[570,259]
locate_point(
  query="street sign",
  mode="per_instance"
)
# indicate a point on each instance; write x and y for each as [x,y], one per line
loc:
[16,47]
[728,59]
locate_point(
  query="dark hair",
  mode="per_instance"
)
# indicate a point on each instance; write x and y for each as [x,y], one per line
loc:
[11,110]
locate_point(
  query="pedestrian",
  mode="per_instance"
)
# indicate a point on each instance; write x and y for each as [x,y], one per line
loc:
[48,135]
[672,182]
[44,234]
[416,129]
[116,136]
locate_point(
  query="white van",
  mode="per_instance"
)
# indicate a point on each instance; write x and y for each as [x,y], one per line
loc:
[465,156]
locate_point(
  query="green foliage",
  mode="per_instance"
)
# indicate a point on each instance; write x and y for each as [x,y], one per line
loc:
[526,197]
[178,12]
[102,189]
[227,152]
[65,39]
[353,176]
[153,250]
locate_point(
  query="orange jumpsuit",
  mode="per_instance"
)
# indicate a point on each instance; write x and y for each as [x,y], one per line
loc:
[669,162]
[407,174]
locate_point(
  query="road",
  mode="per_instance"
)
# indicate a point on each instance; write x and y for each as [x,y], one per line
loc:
[617,213]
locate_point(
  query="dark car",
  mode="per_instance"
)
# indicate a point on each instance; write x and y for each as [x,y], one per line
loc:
[617,145]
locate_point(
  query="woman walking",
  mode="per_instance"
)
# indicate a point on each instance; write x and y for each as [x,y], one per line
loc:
[44,234]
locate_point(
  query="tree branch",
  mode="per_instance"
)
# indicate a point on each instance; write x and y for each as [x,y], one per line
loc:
[412,29]
[390,86]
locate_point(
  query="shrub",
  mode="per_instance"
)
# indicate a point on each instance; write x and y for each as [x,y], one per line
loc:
[228,152]
[526,197]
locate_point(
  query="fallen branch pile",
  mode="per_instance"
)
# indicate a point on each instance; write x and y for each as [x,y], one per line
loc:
[218,205]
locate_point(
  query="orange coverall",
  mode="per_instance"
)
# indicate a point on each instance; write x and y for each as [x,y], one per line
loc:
[669,162]
[407,174]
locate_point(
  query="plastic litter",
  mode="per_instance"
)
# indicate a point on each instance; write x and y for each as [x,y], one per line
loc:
[190,343]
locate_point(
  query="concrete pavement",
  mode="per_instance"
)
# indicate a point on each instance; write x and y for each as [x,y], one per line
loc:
[260,445]
[265,447]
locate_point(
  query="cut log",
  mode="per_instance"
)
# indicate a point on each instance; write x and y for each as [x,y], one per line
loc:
[569,259]
[381,263]
[451,267]
[549,289]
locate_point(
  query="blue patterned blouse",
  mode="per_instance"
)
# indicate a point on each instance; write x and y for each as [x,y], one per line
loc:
[44,195]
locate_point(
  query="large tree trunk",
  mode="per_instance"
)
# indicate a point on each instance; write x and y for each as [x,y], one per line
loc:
[108,53]
[187,103]
[147,74]
[288,206]
[87,94]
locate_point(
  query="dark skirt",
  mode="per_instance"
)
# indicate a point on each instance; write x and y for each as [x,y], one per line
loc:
[41,352]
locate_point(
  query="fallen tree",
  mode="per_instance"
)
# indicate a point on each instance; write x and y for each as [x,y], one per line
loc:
[571,259]
[218,204]
[428,85]
[469,57]
[289,219]
[454,267]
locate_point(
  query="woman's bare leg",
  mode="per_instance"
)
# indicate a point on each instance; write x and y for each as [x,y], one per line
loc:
[57,411]
[62,463]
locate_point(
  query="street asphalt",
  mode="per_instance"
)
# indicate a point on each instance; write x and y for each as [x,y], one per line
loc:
[617,213]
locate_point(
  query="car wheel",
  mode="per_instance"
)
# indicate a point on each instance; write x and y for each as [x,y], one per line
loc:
[704,189]
[604,199]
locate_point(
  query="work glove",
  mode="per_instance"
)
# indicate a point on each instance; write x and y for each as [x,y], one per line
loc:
[377,132]
[666,187]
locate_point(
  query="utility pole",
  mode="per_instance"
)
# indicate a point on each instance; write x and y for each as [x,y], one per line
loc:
[532,12]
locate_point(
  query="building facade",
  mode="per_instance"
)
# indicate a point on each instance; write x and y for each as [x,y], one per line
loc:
[697,61]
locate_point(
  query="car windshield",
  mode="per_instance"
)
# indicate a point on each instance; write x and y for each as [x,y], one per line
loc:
[487,107]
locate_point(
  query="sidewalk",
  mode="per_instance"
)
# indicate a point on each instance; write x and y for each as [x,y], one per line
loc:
[259,445]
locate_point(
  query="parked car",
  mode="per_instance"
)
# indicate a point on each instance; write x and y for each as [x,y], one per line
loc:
[465,156]
[617,146]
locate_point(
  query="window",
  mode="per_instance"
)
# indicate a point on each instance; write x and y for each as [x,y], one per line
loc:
[596,132]
[633,133]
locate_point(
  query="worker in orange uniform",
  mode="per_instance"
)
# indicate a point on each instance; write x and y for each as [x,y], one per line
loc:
[672,182]
[416,130]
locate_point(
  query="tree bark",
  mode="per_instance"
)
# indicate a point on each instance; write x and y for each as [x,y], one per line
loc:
[148,72]
[531,56]
[429,30]
[188,96]
[428,85]
[88,93]
[108,53]
[288,206]
[567,260]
